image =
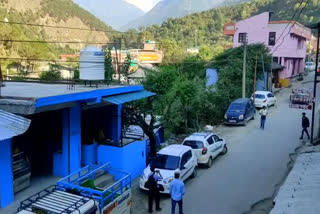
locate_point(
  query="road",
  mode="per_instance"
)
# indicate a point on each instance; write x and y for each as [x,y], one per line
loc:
[255,164]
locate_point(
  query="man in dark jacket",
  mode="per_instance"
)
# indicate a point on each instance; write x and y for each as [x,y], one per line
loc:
[305,126]
[154,194]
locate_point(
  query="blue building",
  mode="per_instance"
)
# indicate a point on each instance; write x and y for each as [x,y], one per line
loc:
[70,127]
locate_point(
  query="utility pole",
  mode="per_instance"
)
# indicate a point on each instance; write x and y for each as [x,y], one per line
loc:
[255,80]
[263,70]
[244,68]
[316,26]
[1,78]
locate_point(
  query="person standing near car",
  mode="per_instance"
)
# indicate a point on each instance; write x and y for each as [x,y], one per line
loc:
[263,112]
[305,126]
[177,192]
[154,193]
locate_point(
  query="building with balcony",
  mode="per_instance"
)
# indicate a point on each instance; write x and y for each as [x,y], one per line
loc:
[286,40]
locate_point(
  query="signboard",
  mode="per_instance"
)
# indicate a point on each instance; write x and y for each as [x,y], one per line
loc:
[302,98]
[150,56]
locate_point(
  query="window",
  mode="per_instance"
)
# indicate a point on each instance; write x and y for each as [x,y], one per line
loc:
[235,107]
[210,141]
[272,38]
[193,144]
[270,95]
[165,162]
[275,59]
[189,155]
[260,96]
[186,157]
[300,43]
[216,138]
[242,37]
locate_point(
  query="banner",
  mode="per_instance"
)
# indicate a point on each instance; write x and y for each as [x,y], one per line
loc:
[302,98]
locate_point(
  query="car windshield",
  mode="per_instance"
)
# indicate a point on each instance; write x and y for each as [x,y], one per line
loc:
[309,63]
[193,144]
[236,107]
[165,162]
[260,96]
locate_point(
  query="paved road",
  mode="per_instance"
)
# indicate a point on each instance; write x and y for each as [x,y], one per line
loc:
[256,163]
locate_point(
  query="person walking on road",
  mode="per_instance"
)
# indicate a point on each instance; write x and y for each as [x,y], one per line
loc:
[177,191]
[305,126]
[263,112]
[154,193]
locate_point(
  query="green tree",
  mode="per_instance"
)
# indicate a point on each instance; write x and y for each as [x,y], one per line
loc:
[52,75]
[126,66]
[205,53]
[173,53]
[108,66]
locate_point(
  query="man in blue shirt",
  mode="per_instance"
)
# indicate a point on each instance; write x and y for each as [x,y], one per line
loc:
[177,192]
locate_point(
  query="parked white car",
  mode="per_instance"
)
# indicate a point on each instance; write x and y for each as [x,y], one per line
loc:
[171,159]
[206,146]
[309,66]
[264,99]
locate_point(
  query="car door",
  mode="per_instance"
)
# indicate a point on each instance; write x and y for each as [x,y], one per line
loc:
[252,109]
[218,143]
[186,165]
[273,99]
[248,113]
[212,146]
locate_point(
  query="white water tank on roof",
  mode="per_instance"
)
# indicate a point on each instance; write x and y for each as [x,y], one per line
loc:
[92,63]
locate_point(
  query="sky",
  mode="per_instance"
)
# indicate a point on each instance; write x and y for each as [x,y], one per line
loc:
[144,5]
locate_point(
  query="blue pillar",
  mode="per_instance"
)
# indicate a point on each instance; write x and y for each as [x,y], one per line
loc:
[69,160]
[116,123]
[6,177]
[75,138]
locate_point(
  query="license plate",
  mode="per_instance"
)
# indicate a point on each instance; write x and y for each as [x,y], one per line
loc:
[232,121]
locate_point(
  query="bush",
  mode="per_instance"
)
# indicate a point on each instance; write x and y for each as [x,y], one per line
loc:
[50,75]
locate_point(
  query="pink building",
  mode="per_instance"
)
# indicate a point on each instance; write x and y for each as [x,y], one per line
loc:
[286,41]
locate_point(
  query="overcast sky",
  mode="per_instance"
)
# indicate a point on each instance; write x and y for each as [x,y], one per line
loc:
[144,5]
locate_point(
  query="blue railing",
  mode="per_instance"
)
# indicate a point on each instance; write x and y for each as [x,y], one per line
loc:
[104,197]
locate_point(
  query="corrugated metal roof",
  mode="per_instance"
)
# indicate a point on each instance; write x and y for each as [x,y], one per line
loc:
[12,125]
[125,98]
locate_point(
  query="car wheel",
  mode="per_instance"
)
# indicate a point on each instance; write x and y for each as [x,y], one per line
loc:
[209,164]
[195,172]
[225,150]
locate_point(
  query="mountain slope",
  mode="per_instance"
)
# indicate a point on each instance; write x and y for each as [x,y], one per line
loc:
[176,8]
[114,12]
[206,28]
[46,12]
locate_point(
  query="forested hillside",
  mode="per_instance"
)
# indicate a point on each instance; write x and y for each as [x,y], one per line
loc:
[46,12]
[177,8]
[206,28]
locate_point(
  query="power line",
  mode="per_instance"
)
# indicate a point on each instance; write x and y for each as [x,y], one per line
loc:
[292,18]
[292,24]
[64,42]
[60,27]
[72,42]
